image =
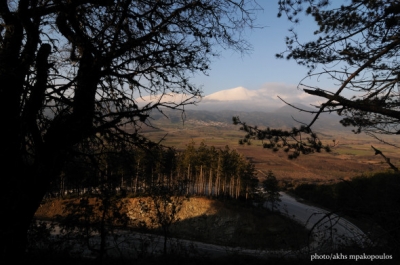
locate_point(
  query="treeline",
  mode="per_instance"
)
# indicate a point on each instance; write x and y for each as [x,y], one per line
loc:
[197,170]
[374,199]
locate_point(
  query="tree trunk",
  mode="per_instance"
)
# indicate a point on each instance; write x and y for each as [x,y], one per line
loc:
[30,172]
[21,197]
[210,184]
[18,210]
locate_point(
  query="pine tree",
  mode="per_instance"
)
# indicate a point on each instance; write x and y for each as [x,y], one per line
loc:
[271,189]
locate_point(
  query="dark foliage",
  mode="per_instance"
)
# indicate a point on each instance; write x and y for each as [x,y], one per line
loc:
[294,142]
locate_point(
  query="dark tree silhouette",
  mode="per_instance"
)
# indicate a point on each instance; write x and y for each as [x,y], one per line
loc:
[357,47]
[167,202]
[70,73]
[271,187]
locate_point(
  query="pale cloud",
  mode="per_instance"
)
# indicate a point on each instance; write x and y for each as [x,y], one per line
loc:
[288,92]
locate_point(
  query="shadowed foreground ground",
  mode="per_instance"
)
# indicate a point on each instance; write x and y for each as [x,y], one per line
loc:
[211,221]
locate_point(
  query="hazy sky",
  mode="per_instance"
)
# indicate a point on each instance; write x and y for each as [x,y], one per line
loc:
[253,71]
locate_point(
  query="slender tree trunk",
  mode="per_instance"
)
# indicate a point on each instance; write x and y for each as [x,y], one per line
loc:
[62,186]
[232,184]
[218,179]
[238,188]
[210,184]
[187,181]
[223,182]
[201,181]
[137,177]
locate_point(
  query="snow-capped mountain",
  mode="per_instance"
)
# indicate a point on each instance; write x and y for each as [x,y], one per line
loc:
[263,99]
[258,107]
[233,94]
[239,98]
[242,99]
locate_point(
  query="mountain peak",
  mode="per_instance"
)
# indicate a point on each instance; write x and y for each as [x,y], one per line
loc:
[237,93]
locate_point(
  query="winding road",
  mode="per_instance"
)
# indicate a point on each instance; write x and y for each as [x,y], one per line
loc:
[328,229]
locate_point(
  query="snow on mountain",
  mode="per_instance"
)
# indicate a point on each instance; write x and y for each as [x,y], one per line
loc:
[241,98]
[237,93]
[261,106]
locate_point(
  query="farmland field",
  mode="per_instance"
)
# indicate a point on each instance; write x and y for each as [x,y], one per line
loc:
[351,156]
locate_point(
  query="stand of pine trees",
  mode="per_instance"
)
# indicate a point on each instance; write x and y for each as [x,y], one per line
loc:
[198,170]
